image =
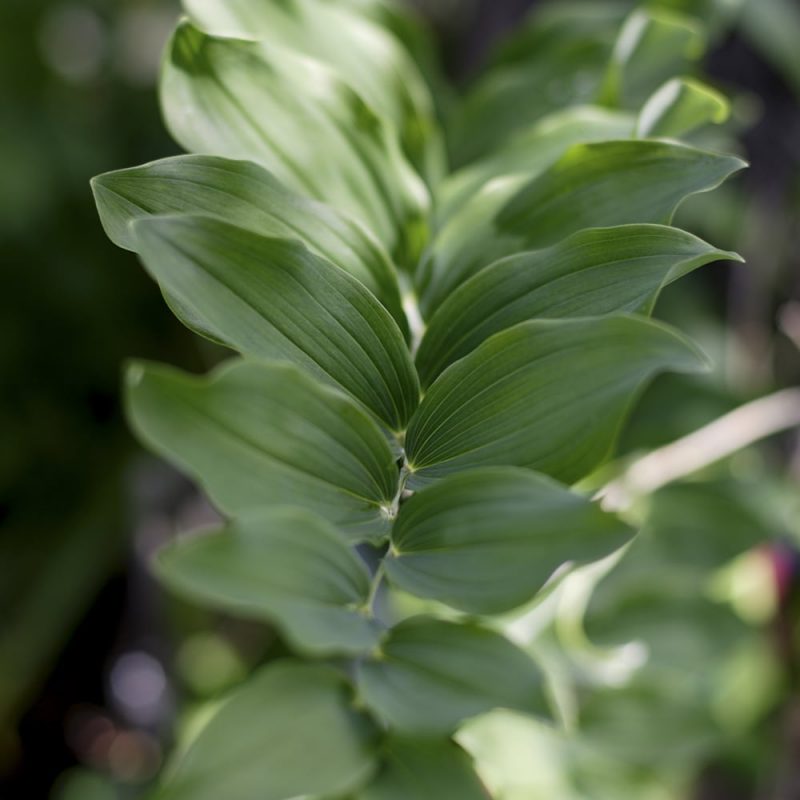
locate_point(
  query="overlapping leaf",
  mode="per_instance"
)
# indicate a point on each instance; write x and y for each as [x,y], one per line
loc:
[283,565]
[424,769]
[593,272]
[294,115]
[547,394]
[679,107]
[430,675]
[653,45]
[247,195]
[592,185]
[274,298]
[486,541]
[256,435]
[365,54]
[264,738]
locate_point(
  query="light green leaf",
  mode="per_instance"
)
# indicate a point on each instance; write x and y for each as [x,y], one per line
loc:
[592,185]
[612,183]
[486,541]
[284,565]
[550,395]
[292,114]
[289,731]
[593,272]
[367,56]
[431,675]
[424,769]
[653,45]
[679,107]
[255,435]
[247,195]
[273,298]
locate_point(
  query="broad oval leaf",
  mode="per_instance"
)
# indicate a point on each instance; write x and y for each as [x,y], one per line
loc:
[245,99]
[679,107]
[593,272]
[424,769]
[364,53]
[592,185]
[550,395]
[486,541]
[260,434]
[273,298]
[431,675]
[261,742]
[602,184]
[249,196]
[284,565]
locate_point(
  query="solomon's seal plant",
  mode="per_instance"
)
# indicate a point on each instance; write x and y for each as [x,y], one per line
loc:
[432,351]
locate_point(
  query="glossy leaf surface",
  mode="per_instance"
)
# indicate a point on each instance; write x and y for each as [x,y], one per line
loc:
[548,394]
[245,99]
[246,195]
[593,272]
[486,541]
[273,298]
[255,435]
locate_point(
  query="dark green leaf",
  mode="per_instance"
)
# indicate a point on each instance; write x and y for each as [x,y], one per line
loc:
[247,195]
[289,731]
[284,565]
[612,183]
[261,434]
[430,675]
[274,298]
[487,541]
[243,99]
[593,272]
[548,394]
[424,769]
[593,185]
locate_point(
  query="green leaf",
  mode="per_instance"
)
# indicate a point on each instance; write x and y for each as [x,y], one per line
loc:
[424,769]
[486,541]
[612,183]
[273,298]
[592,185]
[550,395]
[679,107]
[593,272]
[247,195]
[431,675]
[284,565]
[561,52]
[260,434]
[292,114]
[362,52]
[289,731]
[533,149]
[653,45]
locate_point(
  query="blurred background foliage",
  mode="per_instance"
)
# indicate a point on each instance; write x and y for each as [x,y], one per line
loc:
[680,664]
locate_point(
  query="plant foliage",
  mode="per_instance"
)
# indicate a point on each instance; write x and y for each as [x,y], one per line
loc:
[428,359]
